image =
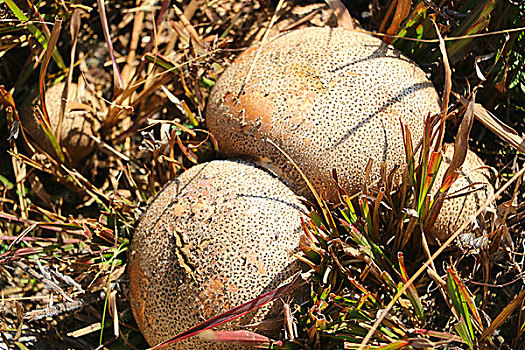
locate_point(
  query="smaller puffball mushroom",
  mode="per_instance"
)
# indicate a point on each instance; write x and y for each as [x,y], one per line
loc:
[78,124]
[221,234]
[456,210]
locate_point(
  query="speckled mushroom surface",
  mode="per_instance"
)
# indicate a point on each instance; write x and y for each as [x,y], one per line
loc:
[331,98]
[79,121]
[455,210]
[222,234]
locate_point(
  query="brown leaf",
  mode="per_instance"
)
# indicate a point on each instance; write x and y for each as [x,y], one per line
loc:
[402,12]
[461,142]
[495,125]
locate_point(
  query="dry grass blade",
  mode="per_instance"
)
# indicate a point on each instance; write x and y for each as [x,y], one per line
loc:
[461,142]
[448,73]
[44,119]
[402,11]
[344,19]
[504,315]
[22,235]
[73,31]
[386,17]
[117,78]
[263,41]
[495,125]
[43,68]
[189,27]
[450,38]
[320,201]
[467,222]
[136,33]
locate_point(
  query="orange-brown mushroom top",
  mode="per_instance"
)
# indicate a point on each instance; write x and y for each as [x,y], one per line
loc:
[330,97]
[222,234]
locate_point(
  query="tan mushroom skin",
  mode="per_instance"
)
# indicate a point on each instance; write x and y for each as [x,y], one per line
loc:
[222,234]
[79,121]
[330,97]
[474,176]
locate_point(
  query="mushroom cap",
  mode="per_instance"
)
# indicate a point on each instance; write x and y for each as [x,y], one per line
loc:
[331,98]
[456,210]
[220,235]
[78,124]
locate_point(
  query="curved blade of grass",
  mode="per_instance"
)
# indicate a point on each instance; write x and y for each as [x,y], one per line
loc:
[322,203]
[448,73]
[465,293]
[187,151]
[495,125]
[476,22]
[344,19]
[402,12]
[117,78]
[411,291]
[234,313]
[45,123]
[460,301]
[461,142]
[41,38]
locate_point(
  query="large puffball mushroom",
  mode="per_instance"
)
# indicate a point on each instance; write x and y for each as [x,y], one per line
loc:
[458,207]
[330,98]
[78,124]
[221,234]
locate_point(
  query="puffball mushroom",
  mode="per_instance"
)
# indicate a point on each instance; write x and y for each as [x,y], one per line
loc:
[330,98]
[474,180]
[221,234]
[78,124]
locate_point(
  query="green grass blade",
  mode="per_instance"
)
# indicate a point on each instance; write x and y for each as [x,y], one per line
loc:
[463,332]
[476,22]
[42,39]
[464,327]
[411,291]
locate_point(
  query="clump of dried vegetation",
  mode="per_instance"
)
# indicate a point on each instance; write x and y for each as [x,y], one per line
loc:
[374,280]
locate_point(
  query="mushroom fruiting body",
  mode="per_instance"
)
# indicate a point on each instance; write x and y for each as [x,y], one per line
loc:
[220,235]
[473,183]
[330,98]
[78,124]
